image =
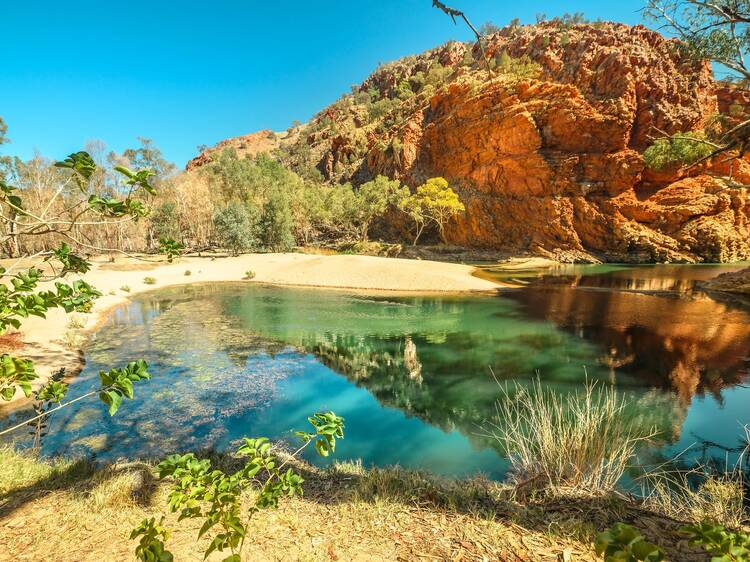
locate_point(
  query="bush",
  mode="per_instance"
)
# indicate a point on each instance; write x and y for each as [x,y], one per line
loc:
[276,223]
[249,274]
[678,150]
[381,108]
[188,272]
[516,69]
[580,442]
[235,227]
[202,491]
[125,288]
[623,543]
[722,544]
[149,281]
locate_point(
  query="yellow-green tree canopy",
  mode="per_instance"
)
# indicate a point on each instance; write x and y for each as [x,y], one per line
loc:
[433,201]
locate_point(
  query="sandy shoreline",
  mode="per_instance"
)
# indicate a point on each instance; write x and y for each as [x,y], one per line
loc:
[44,339]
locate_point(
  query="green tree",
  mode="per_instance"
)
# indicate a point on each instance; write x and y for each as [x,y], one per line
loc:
[433,202]
[236,227]
[718,31]
[164,221]
[276,223]
[373,199]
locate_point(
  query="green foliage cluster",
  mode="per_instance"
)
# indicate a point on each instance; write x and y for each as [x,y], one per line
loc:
[200,491]
[164,220]
[433,202]
[19,299]
[623,543]
[170,248]
[259,195]
[271,208]
[149,280]
[515,69]
[723,545]
[680,149]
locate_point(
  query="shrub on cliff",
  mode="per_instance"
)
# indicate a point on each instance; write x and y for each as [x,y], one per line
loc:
[677,150]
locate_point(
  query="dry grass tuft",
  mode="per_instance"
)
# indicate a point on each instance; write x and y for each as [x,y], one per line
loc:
[717,498]
[577,443]
[700,493]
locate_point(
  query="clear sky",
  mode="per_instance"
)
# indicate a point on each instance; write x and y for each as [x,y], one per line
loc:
[196,72]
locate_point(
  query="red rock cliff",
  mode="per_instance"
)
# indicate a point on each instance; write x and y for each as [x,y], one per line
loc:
[552,164]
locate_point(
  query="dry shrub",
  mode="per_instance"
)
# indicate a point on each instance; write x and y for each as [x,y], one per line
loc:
[120,485]
[718,498]
[700,493]
[579,442]
[11,342]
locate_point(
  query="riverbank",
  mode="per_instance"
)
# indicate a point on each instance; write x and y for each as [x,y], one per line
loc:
[85,513]
[735,282]
[56,341]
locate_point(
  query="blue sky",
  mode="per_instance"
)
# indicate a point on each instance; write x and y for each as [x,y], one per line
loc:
[195,72]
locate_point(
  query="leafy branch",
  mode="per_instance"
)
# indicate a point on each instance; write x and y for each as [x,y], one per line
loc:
[200,492]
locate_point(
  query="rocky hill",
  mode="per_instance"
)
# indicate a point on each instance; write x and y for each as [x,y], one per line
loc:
[544,144]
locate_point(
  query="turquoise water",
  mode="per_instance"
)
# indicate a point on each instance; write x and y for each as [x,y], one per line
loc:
[415,377]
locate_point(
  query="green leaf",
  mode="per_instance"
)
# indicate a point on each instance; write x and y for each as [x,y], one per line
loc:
[322,448]
[113,400]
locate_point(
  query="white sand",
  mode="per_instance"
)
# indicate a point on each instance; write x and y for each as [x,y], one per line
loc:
[43,338]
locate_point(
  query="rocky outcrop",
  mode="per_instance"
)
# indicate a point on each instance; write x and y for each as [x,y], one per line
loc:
[246,145]
[547,152]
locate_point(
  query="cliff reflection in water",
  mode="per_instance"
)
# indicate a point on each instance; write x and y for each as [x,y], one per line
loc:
[684,341]
[413,376]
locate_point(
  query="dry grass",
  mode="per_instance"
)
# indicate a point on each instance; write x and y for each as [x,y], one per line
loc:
[348,513]
[580,442]
[83,513]
[76,321]
[700,493]
[717,498]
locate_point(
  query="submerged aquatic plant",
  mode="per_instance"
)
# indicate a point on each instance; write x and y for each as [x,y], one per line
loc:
[578,442]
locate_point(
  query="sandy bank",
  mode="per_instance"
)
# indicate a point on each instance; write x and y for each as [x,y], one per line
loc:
[44,339]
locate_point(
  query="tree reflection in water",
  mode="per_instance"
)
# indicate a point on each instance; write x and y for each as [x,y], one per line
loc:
[236,358]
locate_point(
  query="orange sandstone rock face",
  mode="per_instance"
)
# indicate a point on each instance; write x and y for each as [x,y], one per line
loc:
[554,165]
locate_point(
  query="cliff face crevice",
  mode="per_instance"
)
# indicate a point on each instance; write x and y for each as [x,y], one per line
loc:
[549,162]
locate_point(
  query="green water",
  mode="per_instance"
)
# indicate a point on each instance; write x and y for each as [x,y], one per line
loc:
[415,377]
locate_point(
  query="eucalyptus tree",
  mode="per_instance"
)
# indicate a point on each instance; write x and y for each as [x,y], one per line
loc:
[718,31]
[21,292]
